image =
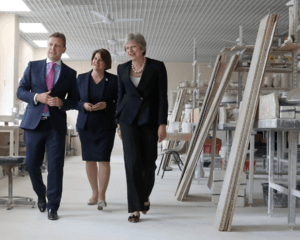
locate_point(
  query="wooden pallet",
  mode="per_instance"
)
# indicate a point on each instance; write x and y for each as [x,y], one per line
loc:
[228,198]
[217,87]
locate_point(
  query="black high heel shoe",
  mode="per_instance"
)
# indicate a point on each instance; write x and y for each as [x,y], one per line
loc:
[146,208]
[133,218]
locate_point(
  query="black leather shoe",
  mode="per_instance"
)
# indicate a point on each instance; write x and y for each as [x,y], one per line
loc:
[52,215]
[42,204]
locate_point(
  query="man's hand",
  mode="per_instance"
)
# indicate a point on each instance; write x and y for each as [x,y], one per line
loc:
[162,132]
[88,107]
[99,106]
[55,102]
[43,97]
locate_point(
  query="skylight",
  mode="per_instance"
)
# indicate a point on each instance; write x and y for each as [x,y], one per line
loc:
[65,55]
[13,6]
[32,28]
[41,43]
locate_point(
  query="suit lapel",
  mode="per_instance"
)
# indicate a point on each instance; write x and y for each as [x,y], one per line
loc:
[126,79]
[146,77]
[42,75]
[85,85]
[105,88]
[63,72]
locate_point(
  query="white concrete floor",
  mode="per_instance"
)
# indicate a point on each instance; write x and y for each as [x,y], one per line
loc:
[167,218]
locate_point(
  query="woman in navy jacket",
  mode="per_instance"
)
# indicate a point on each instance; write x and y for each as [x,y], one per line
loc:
[142,118]
[98,92]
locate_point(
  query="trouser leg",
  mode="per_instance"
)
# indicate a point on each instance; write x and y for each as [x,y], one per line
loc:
[133,166]
[149,156]
[55,144]
[35,150]
[140,157]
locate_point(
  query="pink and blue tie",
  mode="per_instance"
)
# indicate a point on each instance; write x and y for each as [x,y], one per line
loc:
[49,81]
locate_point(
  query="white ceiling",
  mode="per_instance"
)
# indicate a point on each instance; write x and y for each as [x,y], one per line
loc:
[169,26]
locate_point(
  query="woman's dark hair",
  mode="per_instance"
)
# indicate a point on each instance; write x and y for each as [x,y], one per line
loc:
[105,56]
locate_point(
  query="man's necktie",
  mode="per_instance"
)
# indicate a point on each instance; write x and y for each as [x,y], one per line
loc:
[49,81]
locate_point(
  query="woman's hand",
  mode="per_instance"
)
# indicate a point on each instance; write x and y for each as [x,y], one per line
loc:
[162,132]
[119,131]
[88,107]
[99,106]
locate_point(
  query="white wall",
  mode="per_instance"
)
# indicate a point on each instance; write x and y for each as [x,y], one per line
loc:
[9,55]
[26,53]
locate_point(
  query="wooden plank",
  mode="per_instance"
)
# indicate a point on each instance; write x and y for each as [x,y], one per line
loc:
[210,115]
[212,87]
[249,49]
[285,48]
[226,50]
[179,136]
[288,46]
[268,70]
[260,74]
[226,206]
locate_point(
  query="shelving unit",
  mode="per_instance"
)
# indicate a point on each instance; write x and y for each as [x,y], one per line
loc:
[291,49]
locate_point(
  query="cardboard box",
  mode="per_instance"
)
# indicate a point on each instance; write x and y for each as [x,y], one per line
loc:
[208,145]
[195,114]
[287,112]
[4,151]
[4,138]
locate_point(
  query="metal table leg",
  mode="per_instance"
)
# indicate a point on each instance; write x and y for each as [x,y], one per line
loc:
[271,170]
[279,151]
[293,142]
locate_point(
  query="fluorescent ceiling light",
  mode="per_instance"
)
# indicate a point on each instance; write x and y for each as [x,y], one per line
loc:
[13,6]
[41,43]
[65,55]
[32,28]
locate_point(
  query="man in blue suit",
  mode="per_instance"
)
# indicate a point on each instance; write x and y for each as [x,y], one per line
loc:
[44,87]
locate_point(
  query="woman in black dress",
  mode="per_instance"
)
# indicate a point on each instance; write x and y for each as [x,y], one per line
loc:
[98,93]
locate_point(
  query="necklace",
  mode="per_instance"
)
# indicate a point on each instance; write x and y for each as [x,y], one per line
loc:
[133,69]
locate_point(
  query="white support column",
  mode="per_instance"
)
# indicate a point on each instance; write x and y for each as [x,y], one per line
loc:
[271,171]
[9,62]
[293,140]
[294,54]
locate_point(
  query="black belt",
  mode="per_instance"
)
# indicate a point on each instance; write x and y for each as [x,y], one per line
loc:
[43,118]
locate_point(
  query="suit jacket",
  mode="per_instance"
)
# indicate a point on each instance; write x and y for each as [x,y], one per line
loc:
[109,95]
[34,81]
[148,102]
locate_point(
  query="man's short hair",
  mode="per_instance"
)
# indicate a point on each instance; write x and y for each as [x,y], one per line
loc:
[61,36]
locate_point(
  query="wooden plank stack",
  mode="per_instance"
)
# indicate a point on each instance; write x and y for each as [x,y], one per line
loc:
[217,86]
[230,188]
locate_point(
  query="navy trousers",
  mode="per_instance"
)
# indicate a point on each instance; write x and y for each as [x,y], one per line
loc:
[36,141]
[140,154]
